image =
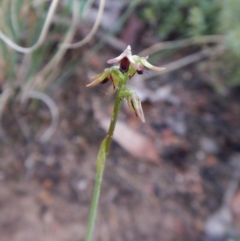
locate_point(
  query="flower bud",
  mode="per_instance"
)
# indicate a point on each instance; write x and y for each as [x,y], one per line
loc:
[135,105]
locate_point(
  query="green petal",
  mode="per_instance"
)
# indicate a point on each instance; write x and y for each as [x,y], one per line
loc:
[133,62]
[131,71]
[99,78]
[145,63]
[116,77]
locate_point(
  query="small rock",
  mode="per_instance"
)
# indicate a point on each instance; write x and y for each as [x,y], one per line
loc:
[209,145]
[179,126]
[82,185]
[218,225]
[236,204]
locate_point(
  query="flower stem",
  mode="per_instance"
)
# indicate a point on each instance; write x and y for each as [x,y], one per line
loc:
[101,159]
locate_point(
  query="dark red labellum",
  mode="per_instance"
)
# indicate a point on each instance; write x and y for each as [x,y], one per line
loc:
[105,80]
[139,71]
[124,65]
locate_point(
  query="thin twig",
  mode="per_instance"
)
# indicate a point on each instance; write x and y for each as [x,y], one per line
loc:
[86,8]
[23,126]
[36,3]
[187,60]
[14,17]
[42,36]
[53,111]
[52,76]
[24,69]
[112,41]
[7,92]
[58,56]
[182,43]
[91,33]
[51,65]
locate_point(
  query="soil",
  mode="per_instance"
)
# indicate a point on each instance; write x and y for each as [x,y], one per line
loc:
[46,188]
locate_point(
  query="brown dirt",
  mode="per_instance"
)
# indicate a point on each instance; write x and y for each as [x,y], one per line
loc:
[45,189]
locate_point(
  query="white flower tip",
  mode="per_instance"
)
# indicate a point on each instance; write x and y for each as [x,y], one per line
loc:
[96,80]
[142,119]
[128,47]
[139,113]
[112,61]
[94,83]
[127,52]
[158,68]
[97,76]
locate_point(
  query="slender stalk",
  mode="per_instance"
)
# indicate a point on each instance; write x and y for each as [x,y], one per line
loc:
[101,159]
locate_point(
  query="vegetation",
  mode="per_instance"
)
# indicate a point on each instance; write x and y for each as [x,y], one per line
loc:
[27,72]
[192,18]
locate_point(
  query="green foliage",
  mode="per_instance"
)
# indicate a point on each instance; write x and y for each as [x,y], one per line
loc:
[22,22]
[31,57]
[196,21]
[226,70]
[229,24]
[182,18]
[193,18]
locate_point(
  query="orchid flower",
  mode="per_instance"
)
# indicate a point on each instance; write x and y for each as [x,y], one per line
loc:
[128,65]
[136,63]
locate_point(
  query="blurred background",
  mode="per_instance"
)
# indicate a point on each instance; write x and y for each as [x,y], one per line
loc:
[175,176]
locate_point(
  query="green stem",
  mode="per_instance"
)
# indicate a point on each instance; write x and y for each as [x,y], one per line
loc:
[101,159]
